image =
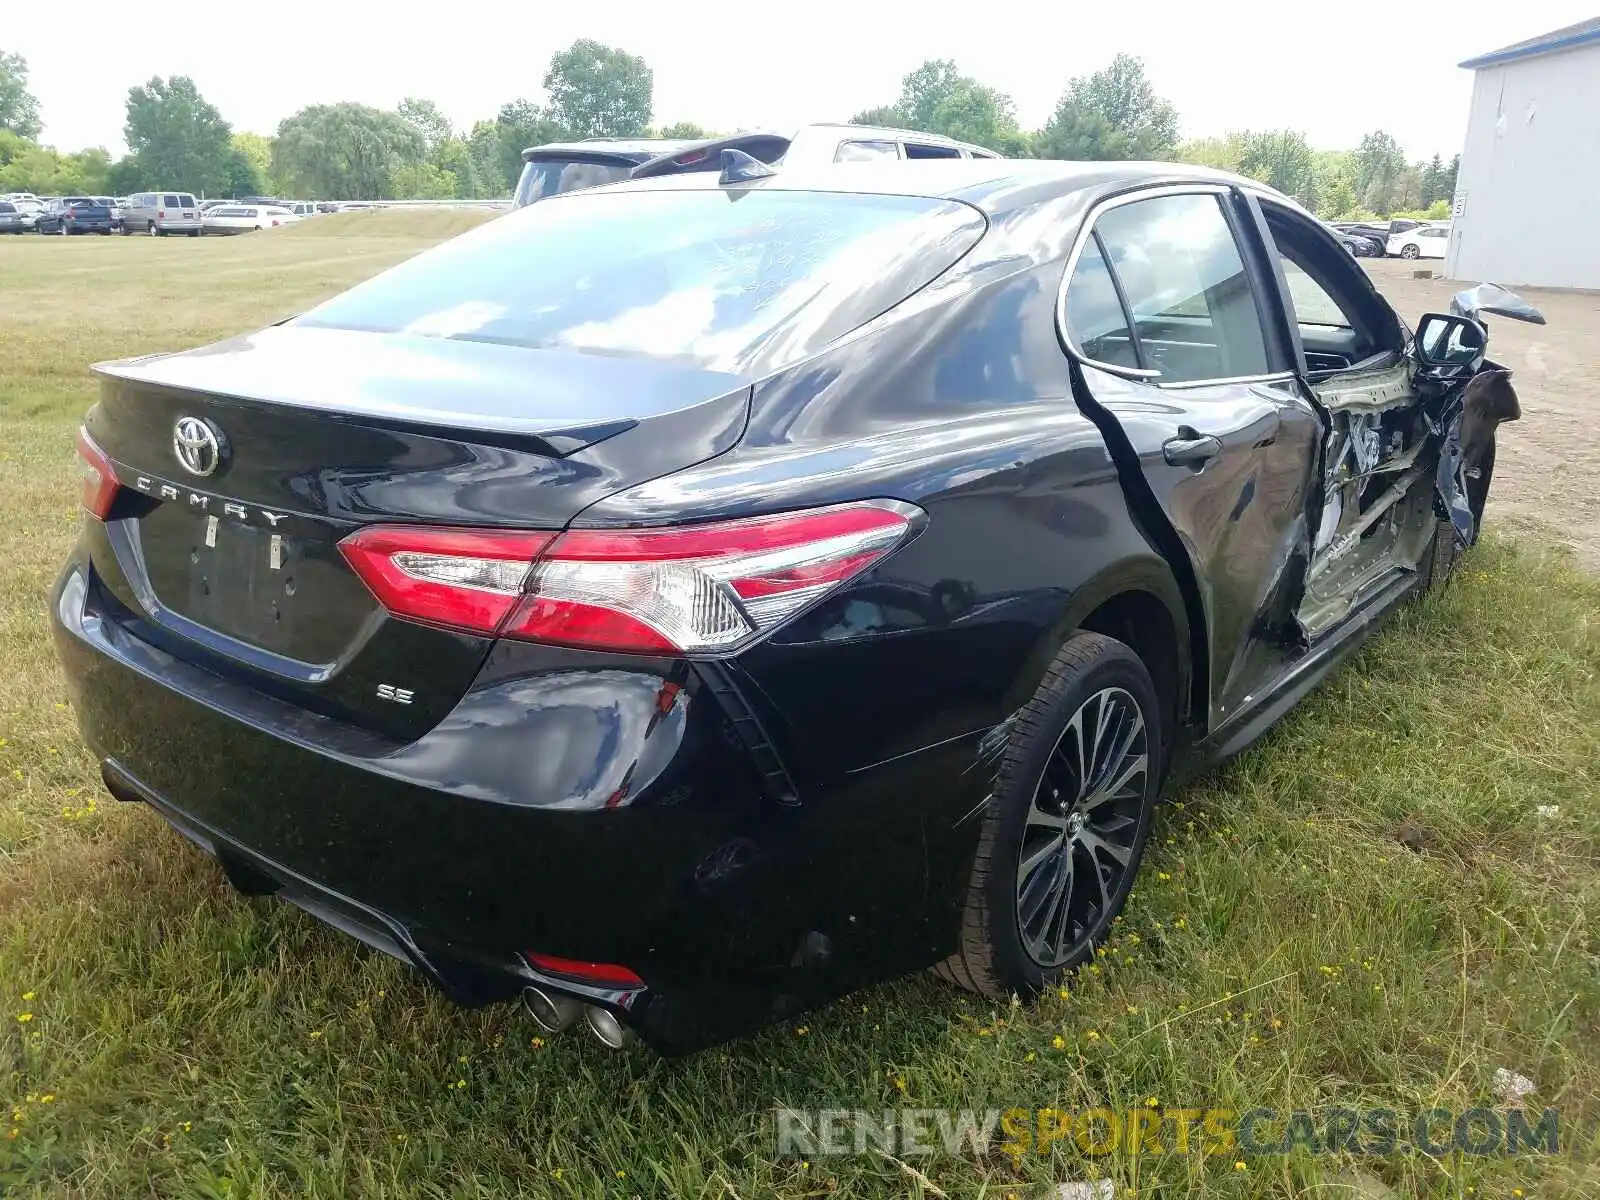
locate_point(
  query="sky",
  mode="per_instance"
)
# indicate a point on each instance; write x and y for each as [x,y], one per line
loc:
[1250,64]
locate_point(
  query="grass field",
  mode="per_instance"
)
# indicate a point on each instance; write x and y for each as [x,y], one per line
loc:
[1396,894]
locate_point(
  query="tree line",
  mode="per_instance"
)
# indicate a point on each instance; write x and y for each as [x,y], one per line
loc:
[178,139]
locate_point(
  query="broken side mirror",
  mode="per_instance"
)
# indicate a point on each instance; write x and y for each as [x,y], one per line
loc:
[1452,346]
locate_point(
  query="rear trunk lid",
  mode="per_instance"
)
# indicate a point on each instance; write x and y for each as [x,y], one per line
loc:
[244,464]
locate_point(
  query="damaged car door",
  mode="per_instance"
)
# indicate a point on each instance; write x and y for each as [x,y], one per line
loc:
[1181,362]
[1409,445]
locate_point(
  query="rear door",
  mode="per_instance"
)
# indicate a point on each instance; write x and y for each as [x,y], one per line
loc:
[1189,373]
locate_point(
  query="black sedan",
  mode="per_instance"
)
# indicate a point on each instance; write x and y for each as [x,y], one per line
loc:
[75,214]
[686,601]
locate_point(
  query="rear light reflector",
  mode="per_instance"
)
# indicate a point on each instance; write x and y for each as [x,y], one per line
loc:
[648,591]
[99,477]
[467,579]
[608,974]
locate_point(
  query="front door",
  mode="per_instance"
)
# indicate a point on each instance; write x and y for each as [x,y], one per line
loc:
[1216,431]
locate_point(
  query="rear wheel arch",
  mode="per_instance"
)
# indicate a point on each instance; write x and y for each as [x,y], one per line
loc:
[1137,602]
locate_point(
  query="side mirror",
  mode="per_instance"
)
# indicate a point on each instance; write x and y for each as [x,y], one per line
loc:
[1450,342]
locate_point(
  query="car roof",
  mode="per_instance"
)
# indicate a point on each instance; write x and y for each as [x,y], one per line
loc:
[993,185]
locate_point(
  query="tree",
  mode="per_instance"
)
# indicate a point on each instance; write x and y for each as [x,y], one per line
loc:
[1121,97]
[519,125]
[687,130]
[488,168]
[19,111]
[179,140]
[1223,153]
[1077,134]
[885,114]
[454,158]
[26,166]
[1380,168]
[344,151]
[937,98]
[425,117]
[1283,159]
[599,91]
[422,181]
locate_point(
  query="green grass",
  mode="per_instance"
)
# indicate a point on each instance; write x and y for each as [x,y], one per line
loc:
[1364,910]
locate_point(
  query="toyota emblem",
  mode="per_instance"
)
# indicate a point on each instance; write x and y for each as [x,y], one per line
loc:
[198,444]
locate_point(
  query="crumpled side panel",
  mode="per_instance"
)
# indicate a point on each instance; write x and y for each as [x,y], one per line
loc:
[1465,429]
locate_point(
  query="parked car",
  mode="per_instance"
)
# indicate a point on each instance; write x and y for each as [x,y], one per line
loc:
[1421,241]
[29,211]
[74,214]
[686,603]
[305,208]
[560,167]
[1357,245]
[114,206]
[572,166]
[161,213]
[244,218]
[12,221]
[1378,235]
[813,145]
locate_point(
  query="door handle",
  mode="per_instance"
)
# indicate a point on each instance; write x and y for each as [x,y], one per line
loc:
[1190,449]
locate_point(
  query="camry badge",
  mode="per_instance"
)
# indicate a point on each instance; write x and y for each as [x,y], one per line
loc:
[198,444]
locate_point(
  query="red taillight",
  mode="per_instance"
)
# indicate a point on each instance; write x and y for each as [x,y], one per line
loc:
[99,477]
[651,591]
[607,974]
[702,587]
[464,578]
[274,222]
[161,214]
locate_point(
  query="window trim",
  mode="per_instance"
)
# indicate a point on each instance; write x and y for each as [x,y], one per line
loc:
[1086,230]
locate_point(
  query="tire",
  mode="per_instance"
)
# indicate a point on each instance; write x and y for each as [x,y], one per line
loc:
[62,229]
[1033,913]
[1410,251]
[1439,561]
[152,230]
[193,232]
[126,232]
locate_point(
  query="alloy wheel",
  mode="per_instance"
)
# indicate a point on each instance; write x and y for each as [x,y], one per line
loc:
[1080,830]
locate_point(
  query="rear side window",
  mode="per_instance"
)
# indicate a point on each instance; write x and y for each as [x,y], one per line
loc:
[727,280]
[925,150]
[552,176]
[866,151]
[185,201]
[7,207]
[1185,287]
[169,201]
[1094,311]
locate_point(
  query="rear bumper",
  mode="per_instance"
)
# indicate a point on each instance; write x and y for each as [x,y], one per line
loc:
[505,827]
[88,226]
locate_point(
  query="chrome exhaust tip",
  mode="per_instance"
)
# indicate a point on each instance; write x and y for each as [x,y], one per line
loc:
[603,1023]
[551,1012]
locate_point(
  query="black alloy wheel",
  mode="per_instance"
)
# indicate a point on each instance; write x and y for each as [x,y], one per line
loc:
[1066,822]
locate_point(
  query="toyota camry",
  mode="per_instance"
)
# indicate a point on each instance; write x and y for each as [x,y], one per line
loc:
[685,601]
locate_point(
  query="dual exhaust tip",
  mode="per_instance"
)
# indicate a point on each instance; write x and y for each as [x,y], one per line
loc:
[554,1012]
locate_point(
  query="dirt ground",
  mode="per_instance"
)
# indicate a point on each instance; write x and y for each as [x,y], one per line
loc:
[1547,465]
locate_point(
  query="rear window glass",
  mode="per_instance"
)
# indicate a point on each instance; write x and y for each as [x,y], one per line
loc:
[170,201]
[738,281]
[552,176]
[185,201]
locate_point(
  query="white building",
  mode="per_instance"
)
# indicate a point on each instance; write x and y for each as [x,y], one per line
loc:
[1530,170]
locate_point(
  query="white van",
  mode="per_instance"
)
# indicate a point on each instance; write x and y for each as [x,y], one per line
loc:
[161,213]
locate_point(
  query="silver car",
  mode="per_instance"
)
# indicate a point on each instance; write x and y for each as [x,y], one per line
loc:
[161,213]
